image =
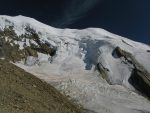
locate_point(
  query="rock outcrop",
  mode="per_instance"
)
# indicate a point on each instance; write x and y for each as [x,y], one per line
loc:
[10,50]
[140,78]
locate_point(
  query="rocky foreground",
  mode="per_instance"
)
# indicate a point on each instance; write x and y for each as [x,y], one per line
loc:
[21,92]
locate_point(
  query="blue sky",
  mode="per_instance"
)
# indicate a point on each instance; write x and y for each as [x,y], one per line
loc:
[129,18]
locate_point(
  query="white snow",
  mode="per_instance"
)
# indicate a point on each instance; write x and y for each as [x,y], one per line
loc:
[73,72]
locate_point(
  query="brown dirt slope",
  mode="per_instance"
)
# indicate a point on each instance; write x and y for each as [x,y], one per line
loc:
[21,92]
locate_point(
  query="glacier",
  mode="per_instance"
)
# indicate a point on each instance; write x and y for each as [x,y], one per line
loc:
[73,70]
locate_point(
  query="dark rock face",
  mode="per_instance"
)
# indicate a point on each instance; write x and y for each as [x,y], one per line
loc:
[10,52]
[141,81]
[140,78]
[148,50]
[121,53]
[103,71]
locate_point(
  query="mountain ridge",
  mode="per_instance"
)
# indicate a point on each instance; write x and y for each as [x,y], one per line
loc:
[84,63]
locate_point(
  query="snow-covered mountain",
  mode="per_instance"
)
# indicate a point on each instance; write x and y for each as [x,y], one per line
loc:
[104,72]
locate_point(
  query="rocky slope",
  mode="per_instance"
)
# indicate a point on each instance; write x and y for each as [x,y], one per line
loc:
[104,72]
[21,92]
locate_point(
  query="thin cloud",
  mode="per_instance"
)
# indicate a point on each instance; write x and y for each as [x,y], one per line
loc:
[75,10]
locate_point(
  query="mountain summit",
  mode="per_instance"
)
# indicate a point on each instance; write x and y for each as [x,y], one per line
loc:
[104,72]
